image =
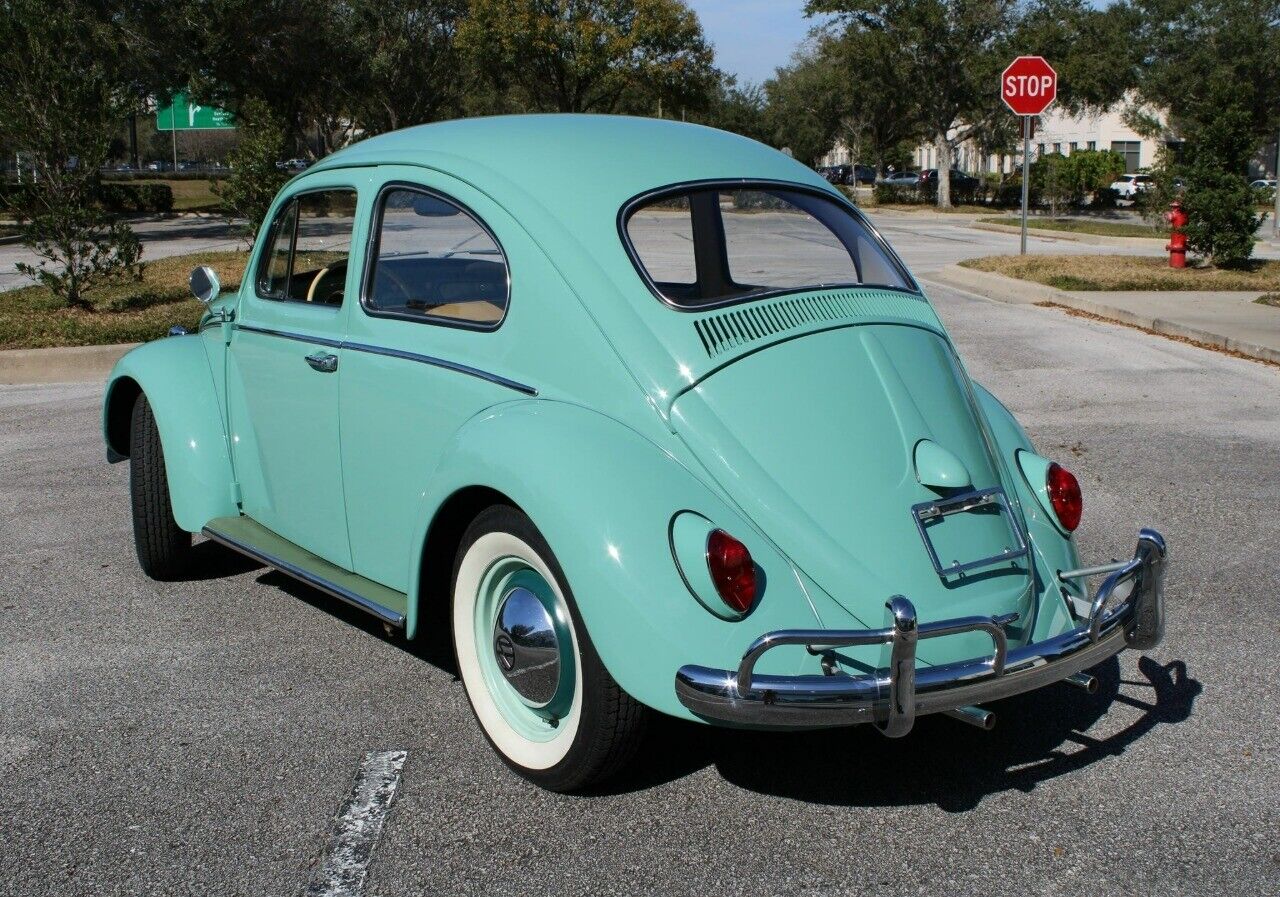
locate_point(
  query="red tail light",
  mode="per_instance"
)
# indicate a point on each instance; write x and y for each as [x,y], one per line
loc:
[732,570]
[1064,495]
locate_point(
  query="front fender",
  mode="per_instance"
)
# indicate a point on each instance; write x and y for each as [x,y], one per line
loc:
[604,496]
[175,376]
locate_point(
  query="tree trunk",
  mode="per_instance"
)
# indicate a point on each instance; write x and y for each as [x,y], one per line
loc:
[943,147]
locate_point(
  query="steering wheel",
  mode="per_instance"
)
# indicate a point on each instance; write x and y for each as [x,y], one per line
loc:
[392,279]
[336,268]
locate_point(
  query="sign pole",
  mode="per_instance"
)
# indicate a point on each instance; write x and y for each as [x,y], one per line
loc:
[1275,219]
[1026,175]
[174,132]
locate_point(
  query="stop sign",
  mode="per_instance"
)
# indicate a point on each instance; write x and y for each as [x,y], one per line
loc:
[1029,85]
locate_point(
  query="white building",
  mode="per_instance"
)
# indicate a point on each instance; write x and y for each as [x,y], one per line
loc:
[1055,132]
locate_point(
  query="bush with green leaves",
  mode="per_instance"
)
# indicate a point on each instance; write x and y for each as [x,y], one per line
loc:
[61,98]
[80,248]
[254,180]
[1221,214]
[1073,179]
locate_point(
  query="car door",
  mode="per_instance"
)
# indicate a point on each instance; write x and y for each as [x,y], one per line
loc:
[426,345]
[284,365]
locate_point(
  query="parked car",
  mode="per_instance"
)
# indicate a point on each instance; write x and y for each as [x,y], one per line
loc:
[836,174]
[848,174]
[159,165]
[1266,187]
[1128,186]
[507,381]
[293,165]
[959,180]
[901,179]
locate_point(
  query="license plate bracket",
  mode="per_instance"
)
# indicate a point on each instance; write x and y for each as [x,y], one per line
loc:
[931,512]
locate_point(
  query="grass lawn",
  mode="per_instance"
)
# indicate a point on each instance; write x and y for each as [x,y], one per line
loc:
[125,312]
[1082,226]
[1127,272]
[191,195]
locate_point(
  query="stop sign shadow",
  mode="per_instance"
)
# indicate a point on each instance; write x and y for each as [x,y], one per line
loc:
[1029,85]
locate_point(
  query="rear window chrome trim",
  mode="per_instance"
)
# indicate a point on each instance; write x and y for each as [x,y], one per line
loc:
[633,205]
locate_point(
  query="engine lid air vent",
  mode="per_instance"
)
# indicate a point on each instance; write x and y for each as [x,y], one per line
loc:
[724,331]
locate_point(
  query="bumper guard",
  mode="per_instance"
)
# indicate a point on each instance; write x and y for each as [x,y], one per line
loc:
[1127,611]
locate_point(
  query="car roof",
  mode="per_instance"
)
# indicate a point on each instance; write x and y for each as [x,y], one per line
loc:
[569,163]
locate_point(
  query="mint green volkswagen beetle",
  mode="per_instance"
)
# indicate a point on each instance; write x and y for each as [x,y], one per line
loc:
[647,415]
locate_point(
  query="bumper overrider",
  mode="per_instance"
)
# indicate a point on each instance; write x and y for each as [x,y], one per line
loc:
[1127,611]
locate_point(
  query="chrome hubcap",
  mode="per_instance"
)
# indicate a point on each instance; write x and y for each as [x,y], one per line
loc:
[527,647]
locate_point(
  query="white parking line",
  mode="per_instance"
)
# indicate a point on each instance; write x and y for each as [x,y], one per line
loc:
[358,826]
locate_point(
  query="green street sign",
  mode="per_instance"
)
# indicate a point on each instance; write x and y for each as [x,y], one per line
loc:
[183,115]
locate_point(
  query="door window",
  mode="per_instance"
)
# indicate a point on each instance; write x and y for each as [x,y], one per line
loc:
[310,246]
[435,262]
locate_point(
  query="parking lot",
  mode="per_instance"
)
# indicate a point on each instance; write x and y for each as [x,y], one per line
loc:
[198,737]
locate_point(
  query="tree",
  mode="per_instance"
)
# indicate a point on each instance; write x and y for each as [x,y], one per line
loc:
[737,109]
[590,55]
[408,69]
[950,55]
[805,105]
[1230,51]
[62,93]
[878,114]
[254,180]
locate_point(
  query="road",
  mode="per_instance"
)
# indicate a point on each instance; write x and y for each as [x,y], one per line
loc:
[198,737]
[161,237]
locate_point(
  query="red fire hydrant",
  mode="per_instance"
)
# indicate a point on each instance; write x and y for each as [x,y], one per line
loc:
[1177,245]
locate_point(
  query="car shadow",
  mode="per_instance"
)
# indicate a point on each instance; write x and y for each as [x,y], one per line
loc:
[942,761]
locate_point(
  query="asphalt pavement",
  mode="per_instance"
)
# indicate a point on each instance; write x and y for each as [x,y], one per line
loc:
[199,737]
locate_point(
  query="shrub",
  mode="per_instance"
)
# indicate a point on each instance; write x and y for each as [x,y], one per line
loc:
[248,191]
[117,198]
[78,246]
[1220,209]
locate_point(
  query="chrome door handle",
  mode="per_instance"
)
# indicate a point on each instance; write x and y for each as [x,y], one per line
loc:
[324,362]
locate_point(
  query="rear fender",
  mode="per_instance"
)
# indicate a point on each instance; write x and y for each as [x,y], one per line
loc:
[604,497]
[1053,550]
[175,376]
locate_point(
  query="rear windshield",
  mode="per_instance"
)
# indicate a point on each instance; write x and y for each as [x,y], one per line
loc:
[711,245]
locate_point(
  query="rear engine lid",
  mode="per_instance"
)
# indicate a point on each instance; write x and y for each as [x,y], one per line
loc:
[824,441]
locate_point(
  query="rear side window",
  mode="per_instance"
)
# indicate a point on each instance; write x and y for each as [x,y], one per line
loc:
[708,246]
[309,247]
[434,261]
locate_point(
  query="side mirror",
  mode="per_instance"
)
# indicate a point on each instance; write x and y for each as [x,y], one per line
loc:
[204,284]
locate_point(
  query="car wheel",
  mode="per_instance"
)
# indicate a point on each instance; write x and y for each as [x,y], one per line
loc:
[164,548]
[542,697]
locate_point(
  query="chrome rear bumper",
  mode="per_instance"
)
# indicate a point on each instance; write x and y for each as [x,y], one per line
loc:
[893,698]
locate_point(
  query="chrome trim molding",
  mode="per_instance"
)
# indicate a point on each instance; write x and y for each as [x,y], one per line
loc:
[894,697]
[633,205]
[296,337]
[384,614]
[444,363]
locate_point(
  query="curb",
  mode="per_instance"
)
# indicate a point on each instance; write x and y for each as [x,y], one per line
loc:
[1023,292]
[69,364]
[1043,233]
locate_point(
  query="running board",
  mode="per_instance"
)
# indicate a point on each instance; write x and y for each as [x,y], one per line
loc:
[254,540]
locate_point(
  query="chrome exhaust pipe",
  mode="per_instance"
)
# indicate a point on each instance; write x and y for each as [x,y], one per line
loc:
[974,716]
[1083,680]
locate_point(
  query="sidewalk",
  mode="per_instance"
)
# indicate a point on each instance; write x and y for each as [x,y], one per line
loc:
[1225,320]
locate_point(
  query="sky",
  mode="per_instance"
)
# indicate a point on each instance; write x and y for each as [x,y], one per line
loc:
[753,37]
